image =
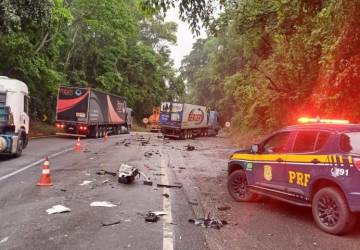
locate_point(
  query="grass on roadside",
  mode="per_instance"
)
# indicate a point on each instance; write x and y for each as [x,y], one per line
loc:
[38,128]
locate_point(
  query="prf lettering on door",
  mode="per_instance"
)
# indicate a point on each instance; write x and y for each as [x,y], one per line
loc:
[299,178]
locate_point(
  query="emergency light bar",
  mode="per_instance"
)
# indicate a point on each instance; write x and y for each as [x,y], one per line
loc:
[318,120]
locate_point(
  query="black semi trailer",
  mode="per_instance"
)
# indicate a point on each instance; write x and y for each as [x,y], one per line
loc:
[92,113]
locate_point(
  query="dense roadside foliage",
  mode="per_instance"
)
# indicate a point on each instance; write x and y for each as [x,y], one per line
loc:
[266,63]
[113,45]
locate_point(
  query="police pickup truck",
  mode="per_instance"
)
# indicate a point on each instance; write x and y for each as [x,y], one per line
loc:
[313,165]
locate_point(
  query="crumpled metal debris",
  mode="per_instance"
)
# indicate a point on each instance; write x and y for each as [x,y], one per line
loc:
[209,222]
[154,216]
[57,209]
[102,204]
[127,174]
[190,148]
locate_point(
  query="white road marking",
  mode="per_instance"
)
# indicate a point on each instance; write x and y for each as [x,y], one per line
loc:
[34,164]
[168,237]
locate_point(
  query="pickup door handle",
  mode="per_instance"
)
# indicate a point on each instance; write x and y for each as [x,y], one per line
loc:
[279,160]
[315,161]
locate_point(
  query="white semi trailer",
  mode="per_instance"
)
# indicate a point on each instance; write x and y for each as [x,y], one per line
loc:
[14,118]
[185,121]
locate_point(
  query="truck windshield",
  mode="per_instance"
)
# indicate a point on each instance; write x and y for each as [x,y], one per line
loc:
[350,142]
[171,107]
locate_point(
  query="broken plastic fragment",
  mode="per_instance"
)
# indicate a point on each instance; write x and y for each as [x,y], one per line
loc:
[85,183]
[58,209]
[102,204]
[4,240]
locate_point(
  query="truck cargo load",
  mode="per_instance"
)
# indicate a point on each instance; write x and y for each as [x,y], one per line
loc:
[183,120]
[90,112]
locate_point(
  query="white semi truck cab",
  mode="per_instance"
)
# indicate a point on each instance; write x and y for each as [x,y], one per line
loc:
[14,118]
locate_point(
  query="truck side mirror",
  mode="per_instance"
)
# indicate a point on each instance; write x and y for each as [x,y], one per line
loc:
[255,148]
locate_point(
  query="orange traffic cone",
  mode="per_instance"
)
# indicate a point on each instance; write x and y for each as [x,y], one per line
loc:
[45,179]
[78,145]
[106,137]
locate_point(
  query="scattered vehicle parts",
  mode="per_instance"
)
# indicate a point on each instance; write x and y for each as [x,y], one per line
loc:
[127,174]
[102,204]
[166,195]
[190,148]
[85,183]
[110,223]
[151,217]
[57,209]
[170,186]
[104,172]
[4,240]
[154,216]
[224,208]
[209,222]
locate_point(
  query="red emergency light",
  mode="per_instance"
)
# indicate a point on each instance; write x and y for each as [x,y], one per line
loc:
[318,120]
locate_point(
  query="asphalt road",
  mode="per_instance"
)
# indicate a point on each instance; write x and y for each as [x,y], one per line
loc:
[267,224]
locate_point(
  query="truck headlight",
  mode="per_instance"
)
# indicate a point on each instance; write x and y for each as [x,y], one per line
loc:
[3,144]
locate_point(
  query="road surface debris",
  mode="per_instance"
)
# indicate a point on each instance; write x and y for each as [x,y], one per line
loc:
[85,183]
[154,216]
[209,222]
[110,223]
[224,208]
[127,174]
[170,186]
[4,240]
[57,209]
[190,148]
[102,204]
[104,172]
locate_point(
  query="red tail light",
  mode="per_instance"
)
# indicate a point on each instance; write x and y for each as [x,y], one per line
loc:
[357,163]
[62,126]
[83,128]
[57,125]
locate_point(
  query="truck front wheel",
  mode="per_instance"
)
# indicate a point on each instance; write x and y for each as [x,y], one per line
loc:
[20,146]
[331,212]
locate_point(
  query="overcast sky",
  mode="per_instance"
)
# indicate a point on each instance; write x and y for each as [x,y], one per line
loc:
[185,38]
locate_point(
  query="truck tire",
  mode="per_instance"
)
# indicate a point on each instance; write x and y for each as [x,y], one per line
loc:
[331,212]
[237,187]
[20,146]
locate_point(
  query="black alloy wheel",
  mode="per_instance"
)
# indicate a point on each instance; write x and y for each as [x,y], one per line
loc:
[331,212]
[237,186]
